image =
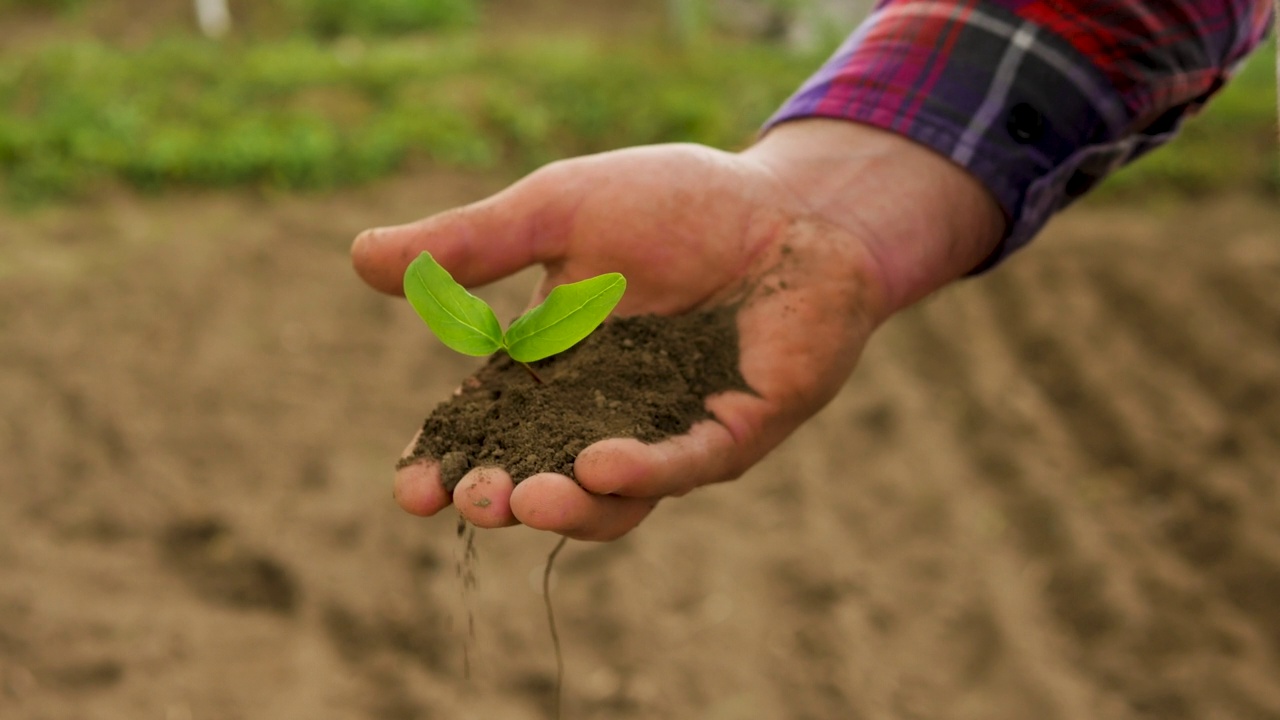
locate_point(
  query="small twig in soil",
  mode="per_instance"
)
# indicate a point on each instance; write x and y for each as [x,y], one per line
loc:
[551,623]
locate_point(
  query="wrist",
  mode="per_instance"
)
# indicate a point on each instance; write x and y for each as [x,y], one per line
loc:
[923,220]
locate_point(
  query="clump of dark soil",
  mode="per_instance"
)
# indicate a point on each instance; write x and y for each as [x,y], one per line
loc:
[644,377]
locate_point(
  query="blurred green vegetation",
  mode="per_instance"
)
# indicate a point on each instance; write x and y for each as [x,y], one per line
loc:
[347,98]
[305,114]
[1230,146]
[334,18]
[47,5]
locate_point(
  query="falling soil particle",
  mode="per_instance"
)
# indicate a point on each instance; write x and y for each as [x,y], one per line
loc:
[645,377]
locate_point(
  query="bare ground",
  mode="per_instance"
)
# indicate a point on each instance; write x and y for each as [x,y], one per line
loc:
[1047,493]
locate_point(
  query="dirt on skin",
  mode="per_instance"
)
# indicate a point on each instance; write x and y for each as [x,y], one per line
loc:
[641,377]
[1050,492]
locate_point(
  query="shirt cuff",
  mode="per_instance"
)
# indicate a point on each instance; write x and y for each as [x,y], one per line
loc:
[1002,97]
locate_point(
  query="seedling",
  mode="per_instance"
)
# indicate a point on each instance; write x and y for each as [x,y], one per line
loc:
[467,324]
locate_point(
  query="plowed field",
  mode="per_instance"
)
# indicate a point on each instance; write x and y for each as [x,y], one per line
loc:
[1046,493]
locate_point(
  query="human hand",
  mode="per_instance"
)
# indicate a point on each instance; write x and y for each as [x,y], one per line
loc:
[844,225]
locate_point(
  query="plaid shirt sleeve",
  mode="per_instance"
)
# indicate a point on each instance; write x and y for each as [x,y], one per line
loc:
[1040,99]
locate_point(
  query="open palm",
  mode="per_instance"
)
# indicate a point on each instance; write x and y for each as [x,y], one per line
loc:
[690,227]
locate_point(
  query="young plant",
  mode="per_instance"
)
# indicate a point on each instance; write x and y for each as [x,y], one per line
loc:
[467,324]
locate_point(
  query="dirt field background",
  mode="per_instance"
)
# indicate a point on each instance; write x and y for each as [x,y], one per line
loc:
[1047,493]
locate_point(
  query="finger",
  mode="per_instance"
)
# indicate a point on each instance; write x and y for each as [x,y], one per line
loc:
[549,501]
[418,489]
[477,243]
[712,451]
[483,497]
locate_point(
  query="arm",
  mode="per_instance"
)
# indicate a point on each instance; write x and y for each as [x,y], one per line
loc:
[1039,100]
[871,219]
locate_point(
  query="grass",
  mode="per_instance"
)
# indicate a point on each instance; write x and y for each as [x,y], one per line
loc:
[306,114]
[1231,145]
[303,112]
[55,6]
[335,18]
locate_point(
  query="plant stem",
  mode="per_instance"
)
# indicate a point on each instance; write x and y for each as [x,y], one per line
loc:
[531,372]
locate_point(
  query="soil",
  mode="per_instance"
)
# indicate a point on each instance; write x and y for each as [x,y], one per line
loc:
[641,377]
[1050,492]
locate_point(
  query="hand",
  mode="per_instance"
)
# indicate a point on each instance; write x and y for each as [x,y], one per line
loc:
[849,223]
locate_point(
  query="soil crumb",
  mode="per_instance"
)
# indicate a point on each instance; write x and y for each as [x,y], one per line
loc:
[644,377]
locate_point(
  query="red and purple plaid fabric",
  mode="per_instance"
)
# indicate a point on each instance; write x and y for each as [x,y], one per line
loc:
[1040,99]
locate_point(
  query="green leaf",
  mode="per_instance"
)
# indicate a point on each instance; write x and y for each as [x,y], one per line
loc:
[461,320]
[568,315]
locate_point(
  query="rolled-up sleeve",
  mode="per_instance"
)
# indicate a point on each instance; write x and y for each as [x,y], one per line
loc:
[1039,100]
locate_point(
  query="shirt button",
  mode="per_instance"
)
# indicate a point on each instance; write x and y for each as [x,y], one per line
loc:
[1025,124]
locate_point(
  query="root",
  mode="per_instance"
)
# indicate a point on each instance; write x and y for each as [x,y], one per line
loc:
[551,624]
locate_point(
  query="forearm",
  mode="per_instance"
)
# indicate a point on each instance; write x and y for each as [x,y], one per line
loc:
[1038,100]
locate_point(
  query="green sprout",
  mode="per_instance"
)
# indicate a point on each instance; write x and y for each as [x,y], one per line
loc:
[467,324]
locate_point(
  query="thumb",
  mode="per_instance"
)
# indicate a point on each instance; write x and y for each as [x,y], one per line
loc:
[525,224]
